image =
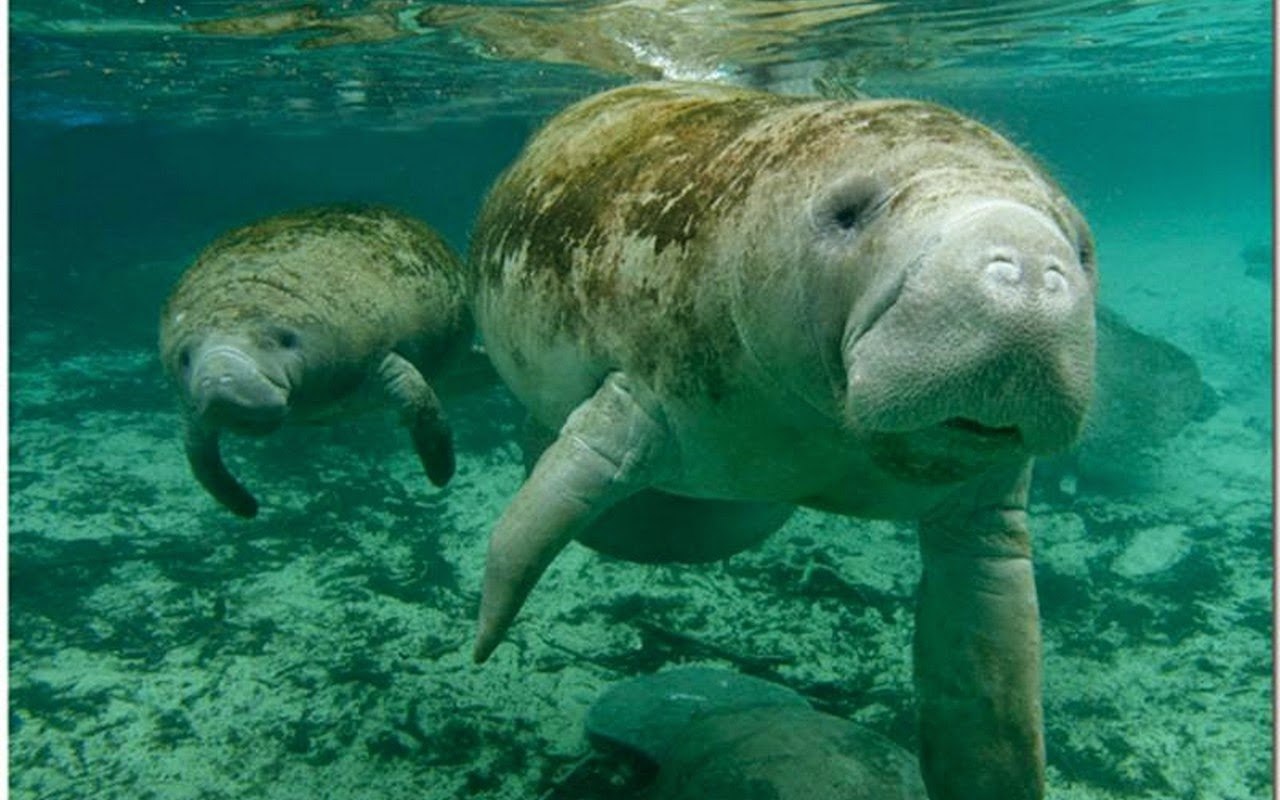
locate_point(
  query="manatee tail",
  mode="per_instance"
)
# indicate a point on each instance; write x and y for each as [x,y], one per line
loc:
[206,465]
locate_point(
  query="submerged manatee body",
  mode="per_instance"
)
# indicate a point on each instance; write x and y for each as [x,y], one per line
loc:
[880,309]
[309,315]
[1146,391]
[717,734]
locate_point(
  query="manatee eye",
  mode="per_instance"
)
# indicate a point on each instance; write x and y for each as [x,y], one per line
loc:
[1087,254]
[1086,249]
[847,206]
[286,338]
[184,358]
[846,217]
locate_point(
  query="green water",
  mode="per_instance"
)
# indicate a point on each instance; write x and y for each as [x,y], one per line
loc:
[160,648]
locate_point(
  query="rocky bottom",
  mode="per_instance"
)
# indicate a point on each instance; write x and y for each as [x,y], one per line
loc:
[161,648]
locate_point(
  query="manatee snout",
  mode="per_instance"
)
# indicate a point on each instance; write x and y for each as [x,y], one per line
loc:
[991,333]
[230,388]
[1024,269]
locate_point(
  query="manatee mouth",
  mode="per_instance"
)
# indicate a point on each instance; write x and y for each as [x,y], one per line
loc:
[1008,434]
[946,452]
[248,427]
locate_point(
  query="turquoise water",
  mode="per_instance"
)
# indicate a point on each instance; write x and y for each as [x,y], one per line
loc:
[161,648]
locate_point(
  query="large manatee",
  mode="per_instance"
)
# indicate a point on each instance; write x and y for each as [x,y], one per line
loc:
[880,309]
[307,316]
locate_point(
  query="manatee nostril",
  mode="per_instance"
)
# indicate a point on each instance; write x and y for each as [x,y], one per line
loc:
[1004,271]
[211,382]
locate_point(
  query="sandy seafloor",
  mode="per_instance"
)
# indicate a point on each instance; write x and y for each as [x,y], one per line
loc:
[161,648]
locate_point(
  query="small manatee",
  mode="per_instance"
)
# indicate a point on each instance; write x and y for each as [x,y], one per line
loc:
[717,734]
[308,316]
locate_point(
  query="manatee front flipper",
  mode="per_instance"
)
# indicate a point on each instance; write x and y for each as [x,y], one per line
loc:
[206,464]
[977,646]
[421,412]
[657,527]
[610,447]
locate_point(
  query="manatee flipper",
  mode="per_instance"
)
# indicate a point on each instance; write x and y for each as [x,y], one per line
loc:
[206,464]
[422,414]
[608,449]
[657,527]
[977,646]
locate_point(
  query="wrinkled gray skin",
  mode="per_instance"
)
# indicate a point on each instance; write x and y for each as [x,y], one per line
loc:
[717,734]
[880,309]
[308,316]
